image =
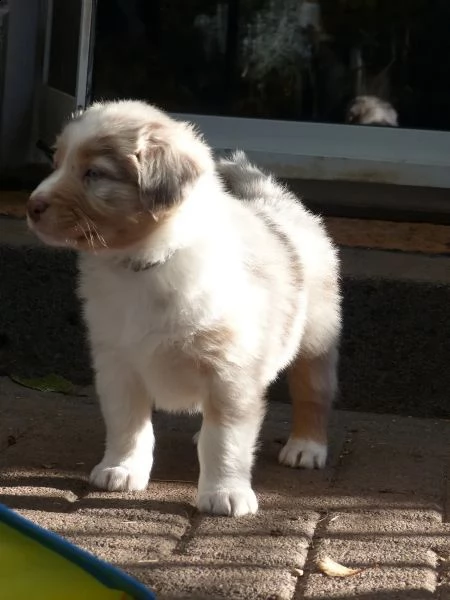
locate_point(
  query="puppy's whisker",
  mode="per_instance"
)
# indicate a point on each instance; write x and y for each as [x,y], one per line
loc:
[96,232]
[99,236]
[93,231]
[88,235]
[83,231]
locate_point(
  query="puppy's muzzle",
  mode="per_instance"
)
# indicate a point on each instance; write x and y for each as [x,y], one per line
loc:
[36,207]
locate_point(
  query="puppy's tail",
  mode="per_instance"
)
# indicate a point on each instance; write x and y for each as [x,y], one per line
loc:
[245,180]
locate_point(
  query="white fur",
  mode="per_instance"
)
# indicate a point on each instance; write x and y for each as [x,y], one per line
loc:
[126,409]
[226,455]
[147,312]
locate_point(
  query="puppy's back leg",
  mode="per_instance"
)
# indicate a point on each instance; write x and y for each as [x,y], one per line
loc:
[312,385]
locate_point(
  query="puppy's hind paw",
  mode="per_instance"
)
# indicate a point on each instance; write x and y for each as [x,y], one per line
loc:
[299,452]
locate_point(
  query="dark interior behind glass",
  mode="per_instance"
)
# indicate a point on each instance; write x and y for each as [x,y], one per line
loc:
[284,59]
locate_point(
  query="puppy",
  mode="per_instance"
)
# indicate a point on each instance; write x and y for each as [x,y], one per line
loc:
[200,283]
[371,110]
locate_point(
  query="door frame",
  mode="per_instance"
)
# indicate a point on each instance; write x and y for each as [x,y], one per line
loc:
[54,105]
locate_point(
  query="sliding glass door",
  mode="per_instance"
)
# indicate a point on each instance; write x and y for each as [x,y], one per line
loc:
[354,90]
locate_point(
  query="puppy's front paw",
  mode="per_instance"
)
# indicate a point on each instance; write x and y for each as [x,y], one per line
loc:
[303,453]
[120,478]
[228,502]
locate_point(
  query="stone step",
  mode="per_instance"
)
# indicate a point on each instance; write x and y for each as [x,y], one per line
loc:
[395,349]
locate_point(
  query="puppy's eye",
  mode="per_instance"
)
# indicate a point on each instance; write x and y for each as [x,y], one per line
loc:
[92,174]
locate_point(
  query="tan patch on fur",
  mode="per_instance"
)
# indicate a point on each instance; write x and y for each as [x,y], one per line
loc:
[182,368]
[206,351]
[91,222]
[166,170]
[211,348]
[212,351]
[125,233]
[143,172]
[211,345]
[195,366]
[124,164]
[92,229]
[212,412]
[311,402]
[128,227]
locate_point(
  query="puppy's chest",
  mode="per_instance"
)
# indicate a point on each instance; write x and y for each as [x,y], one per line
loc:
[130,308]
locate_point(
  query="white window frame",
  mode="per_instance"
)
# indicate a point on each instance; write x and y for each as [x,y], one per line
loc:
[321,151]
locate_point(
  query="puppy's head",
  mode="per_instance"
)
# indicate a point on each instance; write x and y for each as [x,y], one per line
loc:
[121,169]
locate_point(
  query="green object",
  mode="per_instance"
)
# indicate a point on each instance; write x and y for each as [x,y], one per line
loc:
[49,383]
[36,564]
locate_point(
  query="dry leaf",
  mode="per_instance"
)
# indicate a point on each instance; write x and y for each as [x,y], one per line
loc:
[333,569]
[148,561]
[71,497]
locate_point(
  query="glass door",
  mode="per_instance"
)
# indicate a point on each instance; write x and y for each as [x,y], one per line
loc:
[353,90]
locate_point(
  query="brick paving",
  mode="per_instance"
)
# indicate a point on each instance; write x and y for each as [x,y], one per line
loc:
[382,505]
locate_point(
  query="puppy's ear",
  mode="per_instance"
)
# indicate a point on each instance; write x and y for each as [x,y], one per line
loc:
[165,171]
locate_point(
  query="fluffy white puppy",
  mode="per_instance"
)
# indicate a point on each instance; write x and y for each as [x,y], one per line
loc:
[200,283]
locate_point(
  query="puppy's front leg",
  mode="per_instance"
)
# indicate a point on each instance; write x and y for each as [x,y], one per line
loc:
[126,410]
[225,449]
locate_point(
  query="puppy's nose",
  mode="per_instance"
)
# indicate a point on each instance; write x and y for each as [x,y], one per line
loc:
[36,206]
